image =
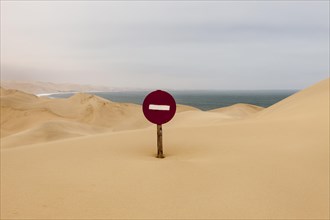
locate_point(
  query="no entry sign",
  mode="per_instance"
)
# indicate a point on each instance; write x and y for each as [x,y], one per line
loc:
[159,107]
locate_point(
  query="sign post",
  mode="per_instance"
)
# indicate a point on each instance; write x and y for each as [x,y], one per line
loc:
[159,108]
[159,142]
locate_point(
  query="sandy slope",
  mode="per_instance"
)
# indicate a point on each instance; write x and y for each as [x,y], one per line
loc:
[239,110]
[271,164]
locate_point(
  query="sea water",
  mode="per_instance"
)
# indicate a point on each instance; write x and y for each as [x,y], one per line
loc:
[204,100]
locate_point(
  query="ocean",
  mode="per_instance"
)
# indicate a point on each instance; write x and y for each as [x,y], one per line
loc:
[204,100]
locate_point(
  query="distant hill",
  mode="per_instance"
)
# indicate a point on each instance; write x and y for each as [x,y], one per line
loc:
[48,87]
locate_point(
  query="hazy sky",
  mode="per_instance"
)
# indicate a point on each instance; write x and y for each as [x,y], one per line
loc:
[173,44]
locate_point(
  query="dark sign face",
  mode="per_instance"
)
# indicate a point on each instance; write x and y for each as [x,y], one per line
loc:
[159,107]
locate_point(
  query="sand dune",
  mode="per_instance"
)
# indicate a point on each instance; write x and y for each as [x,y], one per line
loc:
[271,164]
[27,116]
[50,131]
[29,119]
[311,102]
[213,117]
[239,110]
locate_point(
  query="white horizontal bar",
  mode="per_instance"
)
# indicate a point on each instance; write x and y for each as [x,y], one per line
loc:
[159,107]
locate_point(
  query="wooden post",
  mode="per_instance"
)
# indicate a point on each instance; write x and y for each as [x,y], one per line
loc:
[159,142]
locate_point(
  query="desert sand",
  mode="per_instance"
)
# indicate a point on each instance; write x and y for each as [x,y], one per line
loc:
[89,158]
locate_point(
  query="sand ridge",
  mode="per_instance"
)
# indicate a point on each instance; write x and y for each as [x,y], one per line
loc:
[28,119]
[25,114]
[239,110]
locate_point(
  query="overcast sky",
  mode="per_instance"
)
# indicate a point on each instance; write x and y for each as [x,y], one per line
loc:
[173,45]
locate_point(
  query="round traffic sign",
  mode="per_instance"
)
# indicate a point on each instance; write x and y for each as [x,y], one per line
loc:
[159,107]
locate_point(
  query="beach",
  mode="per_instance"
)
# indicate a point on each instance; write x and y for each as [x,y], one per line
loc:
[86,157]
